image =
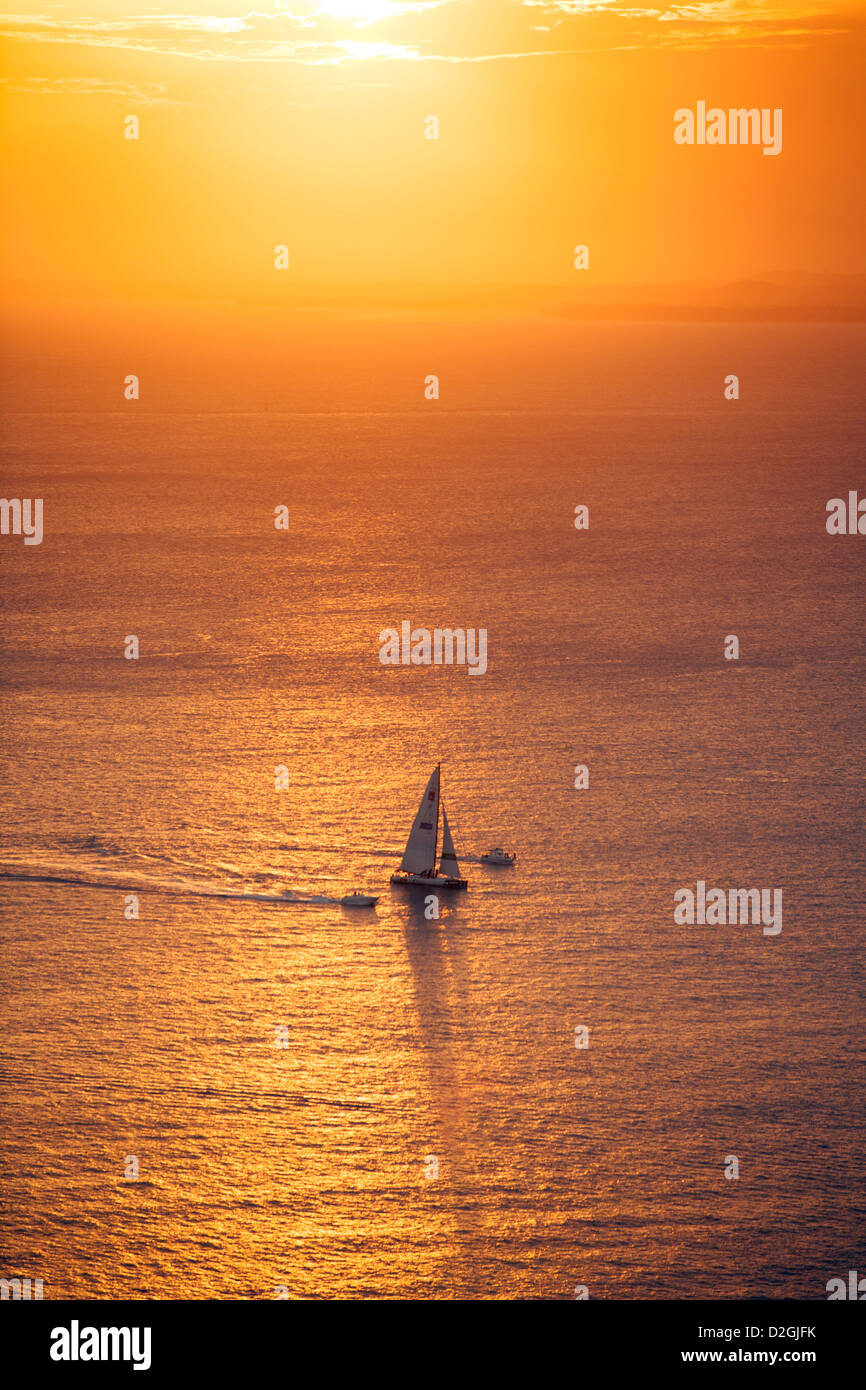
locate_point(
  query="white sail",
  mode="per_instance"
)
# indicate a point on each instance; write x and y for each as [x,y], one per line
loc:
[420,854]
[448,863]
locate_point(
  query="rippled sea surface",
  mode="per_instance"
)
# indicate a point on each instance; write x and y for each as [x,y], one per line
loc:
[310,1167]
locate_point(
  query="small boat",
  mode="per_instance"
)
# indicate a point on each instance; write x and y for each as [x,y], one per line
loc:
[356,899]
[499,856]
[418,865]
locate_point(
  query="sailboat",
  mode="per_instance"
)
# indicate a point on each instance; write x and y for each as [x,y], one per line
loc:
[418,865]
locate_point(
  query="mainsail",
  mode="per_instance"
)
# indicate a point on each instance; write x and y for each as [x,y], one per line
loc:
[420,853]
[448,863]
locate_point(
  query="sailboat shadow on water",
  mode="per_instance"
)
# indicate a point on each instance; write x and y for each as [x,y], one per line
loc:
[445,1024]
[418,865]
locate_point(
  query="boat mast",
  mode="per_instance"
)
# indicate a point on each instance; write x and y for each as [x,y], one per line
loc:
[438,800]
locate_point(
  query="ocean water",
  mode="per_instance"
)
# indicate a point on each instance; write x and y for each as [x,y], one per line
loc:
[310,1167]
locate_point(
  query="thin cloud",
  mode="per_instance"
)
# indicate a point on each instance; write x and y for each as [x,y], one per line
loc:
[148,94]
[320,34]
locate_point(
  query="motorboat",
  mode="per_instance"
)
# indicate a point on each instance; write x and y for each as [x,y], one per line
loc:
[356,899]
[499,856]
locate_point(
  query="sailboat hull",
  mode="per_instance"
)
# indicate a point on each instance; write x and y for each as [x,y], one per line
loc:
[427,881]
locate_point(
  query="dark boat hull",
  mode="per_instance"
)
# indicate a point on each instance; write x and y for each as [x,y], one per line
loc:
[427,881]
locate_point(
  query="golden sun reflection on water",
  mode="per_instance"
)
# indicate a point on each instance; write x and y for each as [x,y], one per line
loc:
[307,1167]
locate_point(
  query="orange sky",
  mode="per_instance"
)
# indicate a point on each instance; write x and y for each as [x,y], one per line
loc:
[307,128]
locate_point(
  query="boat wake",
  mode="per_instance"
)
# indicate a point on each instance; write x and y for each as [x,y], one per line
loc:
[133,882]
